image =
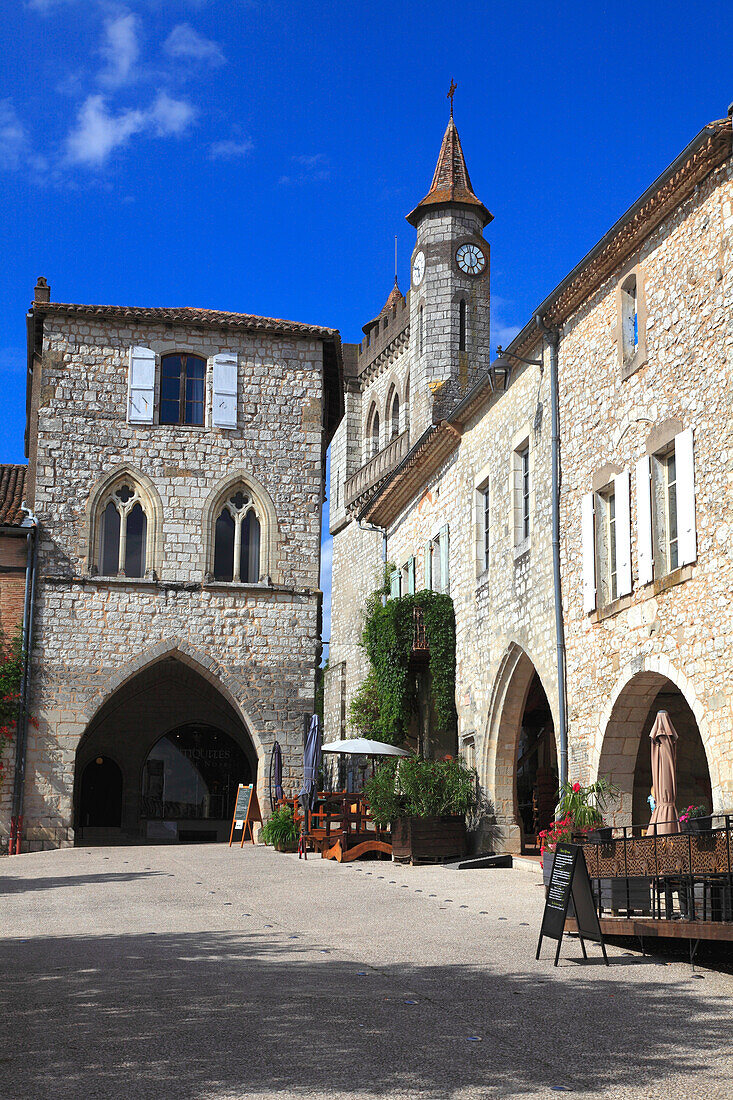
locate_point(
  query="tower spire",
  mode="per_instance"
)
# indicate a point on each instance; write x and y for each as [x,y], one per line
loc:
[451,93]
[451,182]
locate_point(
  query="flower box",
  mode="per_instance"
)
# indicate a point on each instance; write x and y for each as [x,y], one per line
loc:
[428,839]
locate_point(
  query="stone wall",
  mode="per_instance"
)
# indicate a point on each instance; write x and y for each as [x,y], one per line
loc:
[257,644]
[679,627]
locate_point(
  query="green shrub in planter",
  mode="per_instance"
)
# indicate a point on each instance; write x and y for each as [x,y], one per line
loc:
[411,787]
[280,830]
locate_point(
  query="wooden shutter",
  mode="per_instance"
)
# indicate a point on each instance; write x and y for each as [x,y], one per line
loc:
[141,386]
[224,399]
[428,565]
[394,584]
[645,548]
[589,553]
[622,494]
[411,577]
[685,470]
[444,559]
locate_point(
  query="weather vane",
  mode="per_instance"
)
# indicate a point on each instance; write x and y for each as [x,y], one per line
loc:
[451,93]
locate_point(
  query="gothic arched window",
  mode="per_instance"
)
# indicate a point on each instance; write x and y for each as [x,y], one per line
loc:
[123,532]
[393,413]
[373,431]
[237,538]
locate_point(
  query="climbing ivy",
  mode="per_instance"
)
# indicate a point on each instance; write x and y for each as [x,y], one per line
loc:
[386,702]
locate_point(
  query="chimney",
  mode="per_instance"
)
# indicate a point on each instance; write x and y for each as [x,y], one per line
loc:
[42,291]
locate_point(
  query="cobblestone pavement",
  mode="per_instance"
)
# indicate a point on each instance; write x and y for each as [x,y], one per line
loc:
[215,974]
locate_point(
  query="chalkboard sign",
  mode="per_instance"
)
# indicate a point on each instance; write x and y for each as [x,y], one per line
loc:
[570,880]
[246,812]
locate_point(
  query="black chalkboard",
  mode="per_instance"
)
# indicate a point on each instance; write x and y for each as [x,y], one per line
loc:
[244,795]
[570,880]
[246,812]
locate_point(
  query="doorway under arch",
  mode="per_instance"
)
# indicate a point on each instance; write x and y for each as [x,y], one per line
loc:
[182,749]
[100,797]
[625,756]
[521,765]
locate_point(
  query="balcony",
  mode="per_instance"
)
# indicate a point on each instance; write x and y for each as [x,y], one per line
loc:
[373,472]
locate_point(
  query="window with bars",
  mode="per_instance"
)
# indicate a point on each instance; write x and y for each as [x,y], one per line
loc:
[123,530]
[182,385]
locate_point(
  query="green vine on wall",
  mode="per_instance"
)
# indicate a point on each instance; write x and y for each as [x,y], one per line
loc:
[386,702]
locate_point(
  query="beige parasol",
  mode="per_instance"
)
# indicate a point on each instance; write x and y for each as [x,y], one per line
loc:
[664,775]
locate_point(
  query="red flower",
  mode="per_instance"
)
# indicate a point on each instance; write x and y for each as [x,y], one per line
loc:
[576,788]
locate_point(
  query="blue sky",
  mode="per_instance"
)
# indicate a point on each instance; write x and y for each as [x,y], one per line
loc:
[261,156]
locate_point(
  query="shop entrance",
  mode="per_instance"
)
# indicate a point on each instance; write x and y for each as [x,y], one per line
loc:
[100,800]
[537,777]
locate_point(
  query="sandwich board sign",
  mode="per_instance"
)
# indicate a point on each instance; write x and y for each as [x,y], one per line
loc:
[246,812]
[570,880]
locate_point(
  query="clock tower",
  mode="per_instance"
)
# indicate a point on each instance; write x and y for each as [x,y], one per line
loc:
[449,302]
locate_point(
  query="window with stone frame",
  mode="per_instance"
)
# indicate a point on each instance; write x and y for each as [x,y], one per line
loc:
[664,512]
[393,413]
[462,325]
[373,432]
[237,538]
[483,527]
[605,541]
[182,389]
[521,493]
[123,532]
[629,318]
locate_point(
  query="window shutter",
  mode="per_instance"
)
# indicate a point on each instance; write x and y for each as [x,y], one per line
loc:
[622,493]
[644,520]
[685,470]
[428,564]
[394,584]
[589,553]
[224,399]
[141,386]
[444,559]
[411,577]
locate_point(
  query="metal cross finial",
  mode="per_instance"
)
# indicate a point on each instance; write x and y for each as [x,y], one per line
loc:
[451,93]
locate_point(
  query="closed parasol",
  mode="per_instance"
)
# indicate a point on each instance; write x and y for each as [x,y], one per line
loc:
[664,775]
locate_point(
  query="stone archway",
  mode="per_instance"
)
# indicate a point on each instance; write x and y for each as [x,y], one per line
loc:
[623,753]
[152,704]
[517,684]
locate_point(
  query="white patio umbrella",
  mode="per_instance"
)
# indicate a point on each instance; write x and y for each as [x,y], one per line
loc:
[362,746]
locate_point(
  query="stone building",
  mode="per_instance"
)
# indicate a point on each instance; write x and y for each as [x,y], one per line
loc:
[176,466]
[637,345]
[15,526]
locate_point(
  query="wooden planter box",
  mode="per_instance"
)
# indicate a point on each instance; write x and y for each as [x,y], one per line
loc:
[428,839]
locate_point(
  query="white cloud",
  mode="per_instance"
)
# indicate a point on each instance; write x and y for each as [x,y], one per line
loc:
[98,132]
[311,169]
[185,42]
[120,49]
[229,150]
[13,138]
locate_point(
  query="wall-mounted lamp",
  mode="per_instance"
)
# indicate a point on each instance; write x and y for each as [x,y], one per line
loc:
[501,368]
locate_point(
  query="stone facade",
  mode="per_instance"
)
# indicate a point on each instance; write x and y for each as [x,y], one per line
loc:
[253,647]
[645,353]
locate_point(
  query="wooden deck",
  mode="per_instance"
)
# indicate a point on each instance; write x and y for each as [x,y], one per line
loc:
[649,926]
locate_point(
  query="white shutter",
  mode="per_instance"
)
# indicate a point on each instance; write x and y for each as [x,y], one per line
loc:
[622,494]
[444,560]
[394,584]
[411,577]
[141,386]
[224,399]
[428,564]
[589,553]
[685,470]
[644,520]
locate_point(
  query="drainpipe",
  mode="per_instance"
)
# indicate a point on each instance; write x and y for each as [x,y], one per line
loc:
[553,339]
[21,735]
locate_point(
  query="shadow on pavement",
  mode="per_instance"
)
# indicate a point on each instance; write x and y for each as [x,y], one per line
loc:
[222,1014]
[13,885]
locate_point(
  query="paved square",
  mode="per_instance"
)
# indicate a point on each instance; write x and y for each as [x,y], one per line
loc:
[218,974]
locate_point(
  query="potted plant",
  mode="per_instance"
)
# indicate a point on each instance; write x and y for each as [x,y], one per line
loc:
[559,832]
[696,819]
[426,803]
[281,831]
[586,805]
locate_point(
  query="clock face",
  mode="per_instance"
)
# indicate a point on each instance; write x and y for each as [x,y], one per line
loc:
[418,268]
[470,259]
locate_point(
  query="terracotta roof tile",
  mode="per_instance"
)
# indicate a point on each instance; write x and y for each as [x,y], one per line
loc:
[12,491]
[189,315]
[395,297]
